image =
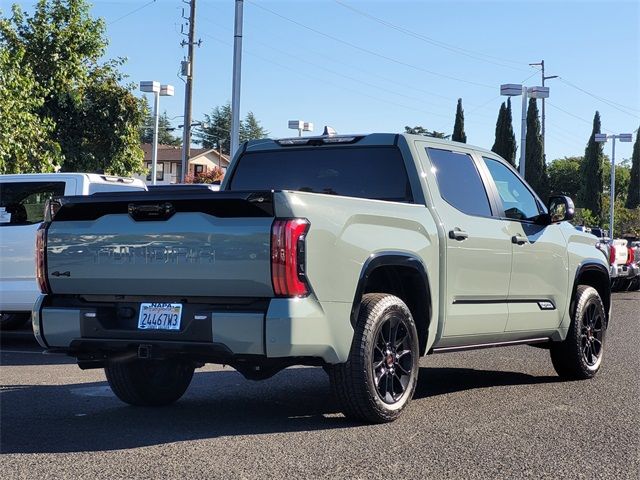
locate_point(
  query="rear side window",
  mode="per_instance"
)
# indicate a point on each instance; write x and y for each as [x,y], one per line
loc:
[459,182]
[22,203]
[376,173]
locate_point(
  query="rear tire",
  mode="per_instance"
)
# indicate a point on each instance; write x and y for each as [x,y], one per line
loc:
[13,320]
[579,356]
[378,380]
[149,382]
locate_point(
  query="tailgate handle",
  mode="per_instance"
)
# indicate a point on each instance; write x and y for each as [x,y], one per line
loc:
[151,211]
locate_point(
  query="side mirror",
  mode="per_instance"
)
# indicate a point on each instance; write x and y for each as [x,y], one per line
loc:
[561,209]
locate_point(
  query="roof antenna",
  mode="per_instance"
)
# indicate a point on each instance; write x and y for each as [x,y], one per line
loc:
[329,131]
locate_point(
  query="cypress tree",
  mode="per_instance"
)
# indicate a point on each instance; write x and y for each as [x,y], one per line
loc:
[633,196]
[458,127]
[505,142]
[498,144]
[509,137]
[590,195]
[535,171]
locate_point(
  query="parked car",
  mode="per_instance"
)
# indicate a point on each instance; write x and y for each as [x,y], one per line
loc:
[356,253]
[22,200]
[624,269]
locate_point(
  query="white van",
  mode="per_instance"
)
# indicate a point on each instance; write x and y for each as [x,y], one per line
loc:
[22,199]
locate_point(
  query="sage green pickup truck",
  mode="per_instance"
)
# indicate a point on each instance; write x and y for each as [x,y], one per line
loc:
[356,253]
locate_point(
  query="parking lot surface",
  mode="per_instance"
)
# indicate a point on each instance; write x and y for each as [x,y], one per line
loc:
[498,413]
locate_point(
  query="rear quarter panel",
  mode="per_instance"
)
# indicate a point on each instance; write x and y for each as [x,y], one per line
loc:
[345,231]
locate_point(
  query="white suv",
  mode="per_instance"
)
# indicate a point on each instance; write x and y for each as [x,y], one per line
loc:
[22,199]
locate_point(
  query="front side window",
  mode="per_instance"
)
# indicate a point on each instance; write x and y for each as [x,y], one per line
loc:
[459,182]
[22,203]
[518,202]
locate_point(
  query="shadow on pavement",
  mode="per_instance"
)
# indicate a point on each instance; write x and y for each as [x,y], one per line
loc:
[441,381]
[88,417]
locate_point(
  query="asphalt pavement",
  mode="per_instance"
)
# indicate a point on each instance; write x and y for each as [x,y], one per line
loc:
[498,413]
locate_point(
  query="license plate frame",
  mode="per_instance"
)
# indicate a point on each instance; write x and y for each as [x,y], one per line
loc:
[160,316]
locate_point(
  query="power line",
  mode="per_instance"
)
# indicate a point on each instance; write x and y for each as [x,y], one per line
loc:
[370,52]
[574,116]
[332,59]
[131,12]
[326,82]
[603,100]
[351,78]
[432,41]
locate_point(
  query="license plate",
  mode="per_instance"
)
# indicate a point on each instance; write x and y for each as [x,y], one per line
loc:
[160,316]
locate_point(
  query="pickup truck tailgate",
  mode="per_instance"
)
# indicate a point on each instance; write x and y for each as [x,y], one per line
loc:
[213,244]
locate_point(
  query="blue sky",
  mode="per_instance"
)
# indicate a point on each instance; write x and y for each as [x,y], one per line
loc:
[321,62]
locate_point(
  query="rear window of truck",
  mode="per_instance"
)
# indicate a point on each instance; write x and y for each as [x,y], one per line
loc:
[376,173]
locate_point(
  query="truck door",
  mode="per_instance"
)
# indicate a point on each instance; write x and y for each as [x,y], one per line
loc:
[539,274]
[477,253]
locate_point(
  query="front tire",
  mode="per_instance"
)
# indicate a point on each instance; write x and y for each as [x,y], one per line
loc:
[378,380]
[579,356]
[149,382]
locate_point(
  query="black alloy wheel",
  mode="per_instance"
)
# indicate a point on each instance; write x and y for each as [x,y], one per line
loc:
[592,333]
[378,379]
[392,361]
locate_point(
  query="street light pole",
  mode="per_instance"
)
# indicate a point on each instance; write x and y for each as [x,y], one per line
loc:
[513,90]
[154,147]
[158,91]
[235,94]
[602,138]
[523,132]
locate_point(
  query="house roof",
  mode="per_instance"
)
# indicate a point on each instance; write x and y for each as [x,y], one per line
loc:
[169,153]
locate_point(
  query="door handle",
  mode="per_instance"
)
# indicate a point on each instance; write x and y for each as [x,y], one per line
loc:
[519,240]
[457,234]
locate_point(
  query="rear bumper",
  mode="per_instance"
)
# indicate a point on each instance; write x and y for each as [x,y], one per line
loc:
[284,329]
[624,271]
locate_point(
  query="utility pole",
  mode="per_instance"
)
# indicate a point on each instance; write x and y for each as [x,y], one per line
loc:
[187,70]
[235,93]
[541,64]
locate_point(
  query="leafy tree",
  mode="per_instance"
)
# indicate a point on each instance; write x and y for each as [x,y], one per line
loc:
[626,220]
[96,120]
[250,129]
[591,175]
[505,142]
[623,175]
[216,129]
[564,176]
[25,138]
[584,217]
[633,197]
[165,129]
[419,130]
[458,127]
[536,170]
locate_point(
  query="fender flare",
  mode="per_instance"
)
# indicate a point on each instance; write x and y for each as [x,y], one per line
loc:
[393,259]
[603,273]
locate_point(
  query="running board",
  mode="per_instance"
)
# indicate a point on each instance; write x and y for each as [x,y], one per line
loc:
[462,348]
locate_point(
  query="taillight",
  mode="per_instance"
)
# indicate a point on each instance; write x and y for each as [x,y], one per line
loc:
[41,252]
[612,254]
[630,256]
[288,263]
